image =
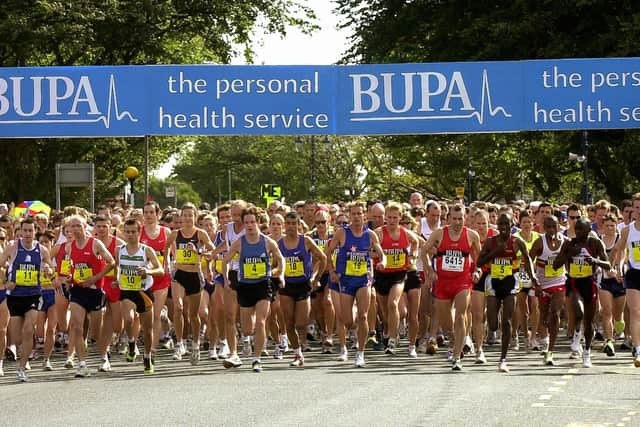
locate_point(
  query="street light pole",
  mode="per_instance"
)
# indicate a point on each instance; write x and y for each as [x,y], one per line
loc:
[314,178]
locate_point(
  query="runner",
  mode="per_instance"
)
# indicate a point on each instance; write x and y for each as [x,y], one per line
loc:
[112,320]
[583,254]
[611,292]
[400,247]
[27,259]
[216,308]
[457,248]
[155,236]
[502,253]
[303,263]
[352,272]
[188,279]
[90,262]
[526,299]
[136,263]
[276,321]
[254,251]
[629,246]
[47,312]
[412,287]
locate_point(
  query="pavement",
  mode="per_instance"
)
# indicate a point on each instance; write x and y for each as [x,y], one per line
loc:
[389,391]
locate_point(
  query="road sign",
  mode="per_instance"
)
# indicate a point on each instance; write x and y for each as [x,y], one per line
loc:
[270,192]
[170,191]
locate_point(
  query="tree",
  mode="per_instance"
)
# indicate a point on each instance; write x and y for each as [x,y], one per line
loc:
[49,32]
[392,31]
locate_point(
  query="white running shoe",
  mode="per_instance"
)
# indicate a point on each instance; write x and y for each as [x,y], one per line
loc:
[502,367]
[105,366]
[576,347]
[232,361]
[213,354]
[586,359]
[195,355]
[360,359]
[412,352]
[480,358]
[246,346]
[467,346]
[224,350]
[344,355]
[22,375]
[179,351]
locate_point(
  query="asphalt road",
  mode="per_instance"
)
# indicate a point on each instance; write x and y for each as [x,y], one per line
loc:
[389,391]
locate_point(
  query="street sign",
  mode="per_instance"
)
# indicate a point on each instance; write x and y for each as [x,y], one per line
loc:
[170,191]
[270,192]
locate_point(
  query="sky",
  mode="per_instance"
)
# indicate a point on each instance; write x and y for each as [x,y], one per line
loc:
[323,47]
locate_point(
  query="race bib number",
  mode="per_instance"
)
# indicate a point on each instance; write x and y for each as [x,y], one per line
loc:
[356,267]
[219,266]
[500,271]
[186,256]
[294,268]
[635,251]
[524,279]
[65,267]
[551,272]
[254,271]
[580,270]
[453,263]
[130,282]
[26,277]
[396,260]
[45,281]
[82,274]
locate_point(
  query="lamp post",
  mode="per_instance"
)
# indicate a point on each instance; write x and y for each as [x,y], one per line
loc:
[131,173]
[314,177]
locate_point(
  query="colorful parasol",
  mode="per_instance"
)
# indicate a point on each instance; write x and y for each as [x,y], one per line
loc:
[29,208]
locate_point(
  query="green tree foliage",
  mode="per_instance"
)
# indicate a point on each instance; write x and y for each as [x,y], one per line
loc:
[51,32]
[393,31]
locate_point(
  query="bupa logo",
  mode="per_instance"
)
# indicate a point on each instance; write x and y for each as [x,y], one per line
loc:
[58,99]
[424,95]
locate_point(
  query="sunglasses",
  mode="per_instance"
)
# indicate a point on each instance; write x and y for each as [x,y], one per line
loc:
[574,217]
[321,222]
[343,223]
[405,223]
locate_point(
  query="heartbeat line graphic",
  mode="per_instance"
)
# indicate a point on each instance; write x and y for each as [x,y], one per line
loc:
[105,118]
[478,115]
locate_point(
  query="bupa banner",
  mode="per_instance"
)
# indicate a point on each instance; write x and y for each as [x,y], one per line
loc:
[467,97]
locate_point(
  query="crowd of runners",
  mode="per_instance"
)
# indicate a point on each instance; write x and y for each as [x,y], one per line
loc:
[240,282]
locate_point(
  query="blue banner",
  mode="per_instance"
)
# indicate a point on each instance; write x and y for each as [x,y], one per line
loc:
[468,97]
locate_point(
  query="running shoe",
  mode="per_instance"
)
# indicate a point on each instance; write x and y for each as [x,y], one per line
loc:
[359,359]
[576,347]
[515,343]
[69,363]
[636,361]
[168,344]
[467,346]
[105,366]
[344,355]
[480,358]
[372,339]
[179,351]
[195,355]
[412,352]
[609,348]
[277,353]
[327,347]
[246,346]
[492,338]
[22,375]
[450,355]
[391,347]
[82,372]
[46,365]
[548,359]
[132,355]
[422,346]
[256,365]
[586,359]
[298,361]
[213,354]
[457,365]
[502,367]
[11,353]
[284,343]
[224,350]
[148,366]
[232,361]
[619,325]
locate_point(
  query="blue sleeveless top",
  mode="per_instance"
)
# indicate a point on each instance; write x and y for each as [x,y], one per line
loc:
[255,265]
[297,262]
[25,271]
[353,258]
